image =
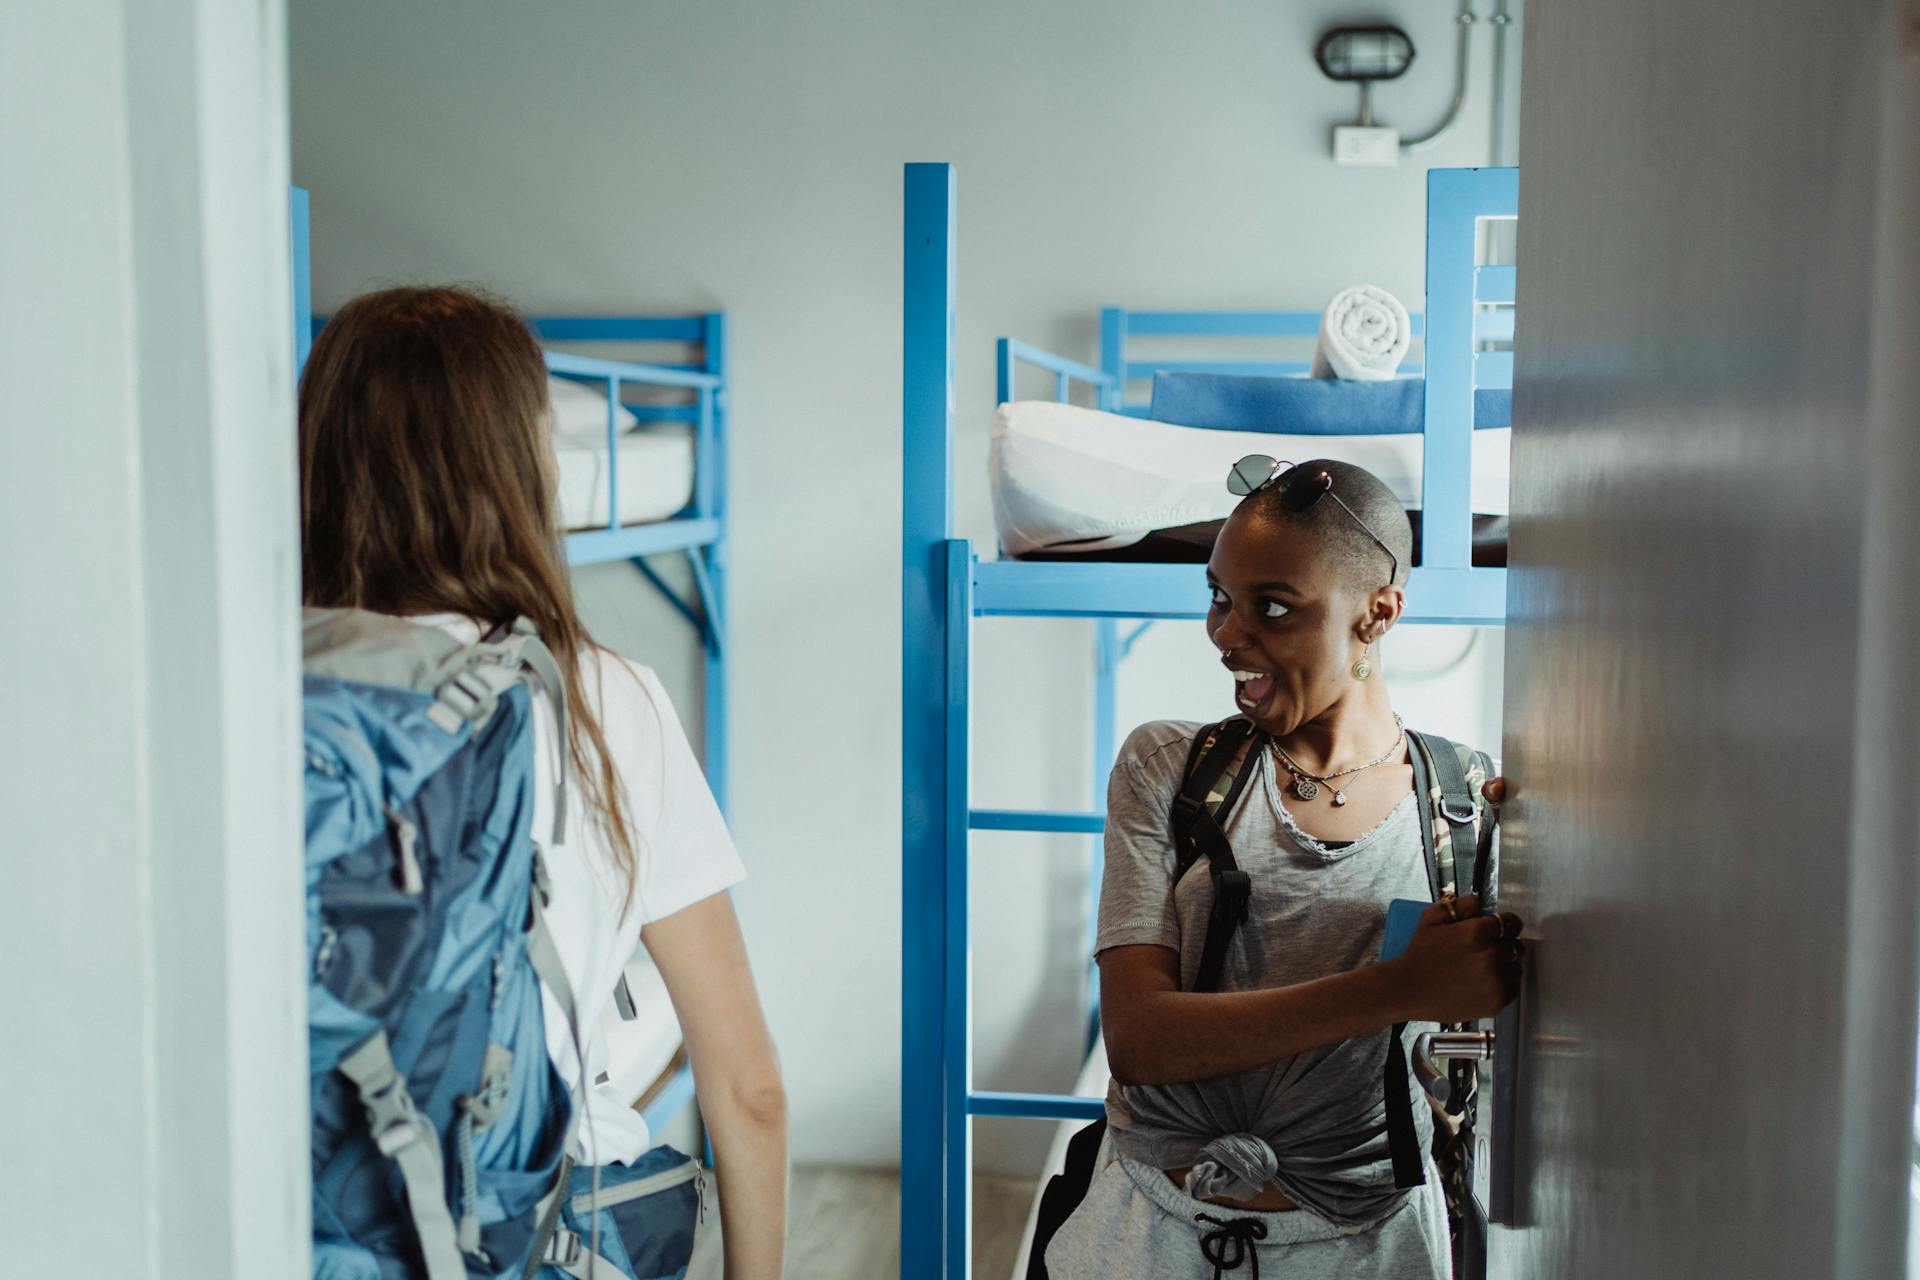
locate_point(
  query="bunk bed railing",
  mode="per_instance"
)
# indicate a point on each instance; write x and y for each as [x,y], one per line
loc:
[694,526]
[1119,326]
[1011,353]
[700,523]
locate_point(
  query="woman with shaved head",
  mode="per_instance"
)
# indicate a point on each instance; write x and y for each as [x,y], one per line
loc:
[1247,1121]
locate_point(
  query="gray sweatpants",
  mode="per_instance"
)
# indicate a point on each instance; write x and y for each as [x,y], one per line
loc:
[1136,1225]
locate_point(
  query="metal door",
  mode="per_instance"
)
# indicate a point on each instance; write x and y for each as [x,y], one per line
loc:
[1711,697]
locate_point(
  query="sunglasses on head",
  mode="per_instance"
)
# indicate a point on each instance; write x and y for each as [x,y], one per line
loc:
[1298,489]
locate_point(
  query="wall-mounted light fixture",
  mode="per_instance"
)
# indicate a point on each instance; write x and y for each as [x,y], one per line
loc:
[1367,54]
[1364,55]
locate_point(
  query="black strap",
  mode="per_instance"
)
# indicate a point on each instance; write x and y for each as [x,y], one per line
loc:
[1199,832]
[1403,1140]
[1065,1190]
[1213,751]
[1469,1246]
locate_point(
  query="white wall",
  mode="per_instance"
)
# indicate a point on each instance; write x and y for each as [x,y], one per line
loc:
[606,157]
[154,1069]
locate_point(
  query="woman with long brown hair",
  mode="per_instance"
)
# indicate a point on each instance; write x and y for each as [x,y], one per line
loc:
[427,483]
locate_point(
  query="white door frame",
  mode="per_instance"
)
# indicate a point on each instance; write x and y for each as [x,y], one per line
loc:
[155,1079]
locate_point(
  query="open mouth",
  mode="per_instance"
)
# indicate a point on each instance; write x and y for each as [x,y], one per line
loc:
[1252,688]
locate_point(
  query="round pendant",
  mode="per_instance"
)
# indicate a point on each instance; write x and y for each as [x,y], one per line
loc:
[1306,788]
[1339,798]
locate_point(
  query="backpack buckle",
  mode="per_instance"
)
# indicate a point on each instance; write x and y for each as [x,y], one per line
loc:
[563,1248]
[1459,819]
[392,1117]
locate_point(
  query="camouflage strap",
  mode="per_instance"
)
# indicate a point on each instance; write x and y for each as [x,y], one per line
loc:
[1450,777]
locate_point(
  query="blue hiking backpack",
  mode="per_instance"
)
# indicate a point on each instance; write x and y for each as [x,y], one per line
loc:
[440,1126]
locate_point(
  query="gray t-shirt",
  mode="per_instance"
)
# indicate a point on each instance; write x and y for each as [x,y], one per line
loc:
[1314,1124]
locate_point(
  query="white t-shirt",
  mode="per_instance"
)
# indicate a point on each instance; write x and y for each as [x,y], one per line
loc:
[685,854]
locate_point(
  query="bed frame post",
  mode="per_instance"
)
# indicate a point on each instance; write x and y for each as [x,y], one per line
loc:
[711,456]
[300,226]
[936,618]
[1113,358]
[1456,200]
[1107,654]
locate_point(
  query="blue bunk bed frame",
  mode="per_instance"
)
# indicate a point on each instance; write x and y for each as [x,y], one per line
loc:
[699,531]
[945,588]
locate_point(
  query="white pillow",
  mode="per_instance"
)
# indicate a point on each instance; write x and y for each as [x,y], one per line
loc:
[580,411]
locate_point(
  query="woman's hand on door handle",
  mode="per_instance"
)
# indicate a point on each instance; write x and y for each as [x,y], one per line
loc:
[1460,966]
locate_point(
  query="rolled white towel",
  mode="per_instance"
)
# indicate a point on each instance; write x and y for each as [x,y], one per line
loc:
[1364,333]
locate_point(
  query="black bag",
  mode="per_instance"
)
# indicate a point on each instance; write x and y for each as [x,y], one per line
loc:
[1218,769]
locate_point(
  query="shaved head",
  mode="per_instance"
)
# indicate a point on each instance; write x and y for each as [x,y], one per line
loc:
[1353,557]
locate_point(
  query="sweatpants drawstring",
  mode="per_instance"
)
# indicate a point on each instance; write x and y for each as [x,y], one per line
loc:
[1231,1244]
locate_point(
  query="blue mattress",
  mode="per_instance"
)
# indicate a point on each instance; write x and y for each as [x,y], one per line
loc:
[1307,406]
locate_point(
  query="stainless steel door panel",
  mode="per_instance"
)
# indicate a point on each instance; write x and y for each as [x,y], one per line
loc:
[1702,241]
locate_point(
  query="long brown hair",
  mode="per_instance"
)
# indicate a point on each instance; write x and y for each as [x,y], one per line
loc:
[427,486]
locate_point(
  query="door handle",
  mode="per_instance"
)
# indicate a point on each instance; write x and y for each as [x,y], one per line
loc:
[1429,1045]
[1493,1176]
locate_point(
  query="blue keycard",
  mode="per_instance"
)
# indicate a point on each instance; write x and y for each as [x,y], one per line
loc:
[1403,915]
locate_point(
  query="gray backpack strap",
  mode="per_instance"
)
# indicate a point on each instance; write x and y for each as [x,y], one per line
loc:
[406,1137]
[473,680]
[548,1219]
[536,658]
[544,954]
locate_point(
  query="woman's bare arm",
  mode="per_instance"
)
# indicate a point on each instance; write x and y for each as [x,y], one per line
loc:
[703,959]
[1156,1033]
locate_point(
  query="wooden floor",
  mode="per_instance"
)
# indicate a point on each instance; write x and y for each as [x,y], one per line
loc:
[845,1225]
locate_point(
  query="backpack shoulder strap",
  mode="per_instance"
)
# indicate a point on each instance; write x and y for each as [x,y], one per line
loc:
[1219,765]
[1210,785]
[1451,834]
[514,652]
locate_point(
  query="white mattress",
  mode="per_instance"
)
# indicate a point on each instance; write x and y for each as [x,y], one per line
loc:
[656,475]
[1091,1084]
[1063,474]
[655,460]
[640,1050]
